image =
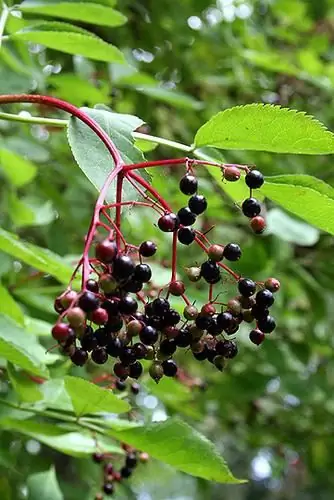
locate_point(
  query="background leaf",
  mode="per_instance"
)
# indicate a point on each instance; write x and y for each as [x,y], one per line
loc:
[44,485]
[19,170]
[9,307]
[266,128]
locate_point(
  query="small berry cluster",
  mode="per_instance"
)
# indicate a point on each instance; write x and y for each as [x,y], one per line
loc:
[112,316]
[112,476]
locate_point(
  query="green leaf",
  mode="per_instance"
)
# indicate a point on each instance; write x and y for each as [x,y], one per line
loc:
[71,40]
[20,348]
[20,214]
[266,128]
[89,398]
[44,485]
[6,492]
[78,91]
[305,196]
[91,154]
[27,390]
[172,97]
[9,307]
[88,12]
[19,170]
[176,443]
[39,258]
[290,229]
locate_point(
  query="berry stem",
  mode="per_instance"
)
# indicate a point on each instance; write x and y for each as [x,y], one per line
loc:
[174,256]
[119,186]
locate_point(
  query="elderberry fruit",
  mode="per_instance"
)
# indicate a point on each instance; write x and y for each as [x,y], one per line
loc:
[128,305]
[76,317]
[102,336]
[246,287]
[256,337]
[148,335]
[92,286]
[143,273]
[258,224]
[232,252]
[188,184]
[266,325]
[186,216]
[98,458]
[214,329]
[123,267]
[135,388]
[203,321]
[167,347]
[79,357]
[201,356]
[272,284]
[131,460]
[186,235]
[133,285]
[216,253]
[251,207]
[171,318]
[197,204]
[126,472]
[120,385]
[108,488]
[177,288]
[106,251]
[184,338]
[169,367]
[224,320]
[121,371]
[160,306]
[254,179]
[99,355]
[114,324]
[60,331]
[210,272]
[100,316]
[156,371]
[168,223]
[111,306]
[136,369]
[127,356]
[264,298]
[259,312]
[88,302]
[140,350]
[155,321]
[147,249]
[231,173]
[88,342]
[114,347]
[133,328]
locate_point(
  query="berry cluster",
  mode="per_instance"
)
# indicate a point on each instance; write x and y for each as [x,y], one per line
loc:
[111,475]
[113,316]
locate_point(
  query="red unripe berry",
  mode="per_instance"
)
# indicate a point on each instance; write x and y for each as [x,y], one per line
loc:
[117,477]
[108,469]
[272,284]
[168,223]
[216,252]
[60,331]
[258,224]
[99,316]
[208,309]
[256,336]
[231,174]
[58,306]
[67,299]
[106,251]
[177,288]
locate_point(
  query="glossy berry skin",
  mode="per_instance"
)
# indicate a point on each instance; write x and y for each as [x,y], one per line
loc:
[184,338]
[106,251]
[272,284]
[246,287]
[79,357]
[131,460]
[92,286]
[147,248]
[114,347]
[254,179]
[256,337]
[171,318]
[197,204]
[229,349]
[188,184]
[160,306]
[99,356]
[123,267]
[203,321]
[266,325]
[140,350]
[186,216]
[135,388]
[232,174]
[169,367]
[264,298]
[133,285]
[210,272]
[121,371]
[111,306]
[88,342]
[167,347]
[259,312]
[127,356]
[251,207]
[128,305]
[186,235]
[108,488]
[136,370]
[100,316]
[225,320]
[232,252]
[61,331]
[88,302]
[258,224]
[148,335]
[168,223]
[214,329]
[114,324]
[143,273]
[177,288]
[126,472]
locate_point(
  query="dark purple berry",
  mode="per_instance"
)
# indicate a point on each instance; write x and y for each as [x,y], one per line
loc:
[147,249]
[171,318]
[108,488]
[143,273]
[148,335]
[254,179]
[135,388]
[197,204]
[120,385]
[169,367]
[133,285]
[264,298]
[114,324]
[88,302]
[123,267]
[126,472]
[136,370]
[140,350]
[186,235]
[121,371]
[184,338]
[79,357]
[251,207]
[168,223]
[232,252]
[114,347]
[160,306]
[256,336]
[266,325]
[246,287]
[111,306]
[92,286]
[88,342]
[128,305]
[210,272]
[99,355]
[203,321]
[131,460]
[225,320]
[102,336]
[127,356]
[186,216]
[188,184]
[167,347]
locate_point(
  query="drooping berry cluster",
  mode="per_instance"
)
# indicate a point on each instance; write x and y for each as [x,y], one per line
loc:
[112,317]
[111,476]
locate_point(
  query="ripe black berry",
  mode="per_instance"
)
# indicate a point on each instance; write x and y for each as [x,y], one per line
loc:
[148,335]
[121,371]
[246,287]
[256,336]
[227,348]
[186,235]
[197,204]
[123,267]
[214,329]
[108,488]
[147,249]
[135,388]
[126,472]
[143,273]
[232,252]
[186,216]
[188,184]
[114,324]
[136,370]
[120,385]
[128,305]
[264,298]
[127,356]
[259,312]
[210,272]
[201,356]
[88,342]
[111,306]
[167,347]
[131,460]
[92,286]
[114,347]
[79,357]
[140,350]
[251,207]
[106,251]
[133,285]
[169,367]
[171,318]
[254,179]
[266,325]
[99,355]
[88,302]
[160,306]
[184,338]
[168,223]
[203,322]
[155,321]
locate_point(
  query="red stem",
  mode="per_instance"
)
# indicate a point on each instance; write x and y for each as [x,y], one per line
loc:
[119,187]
